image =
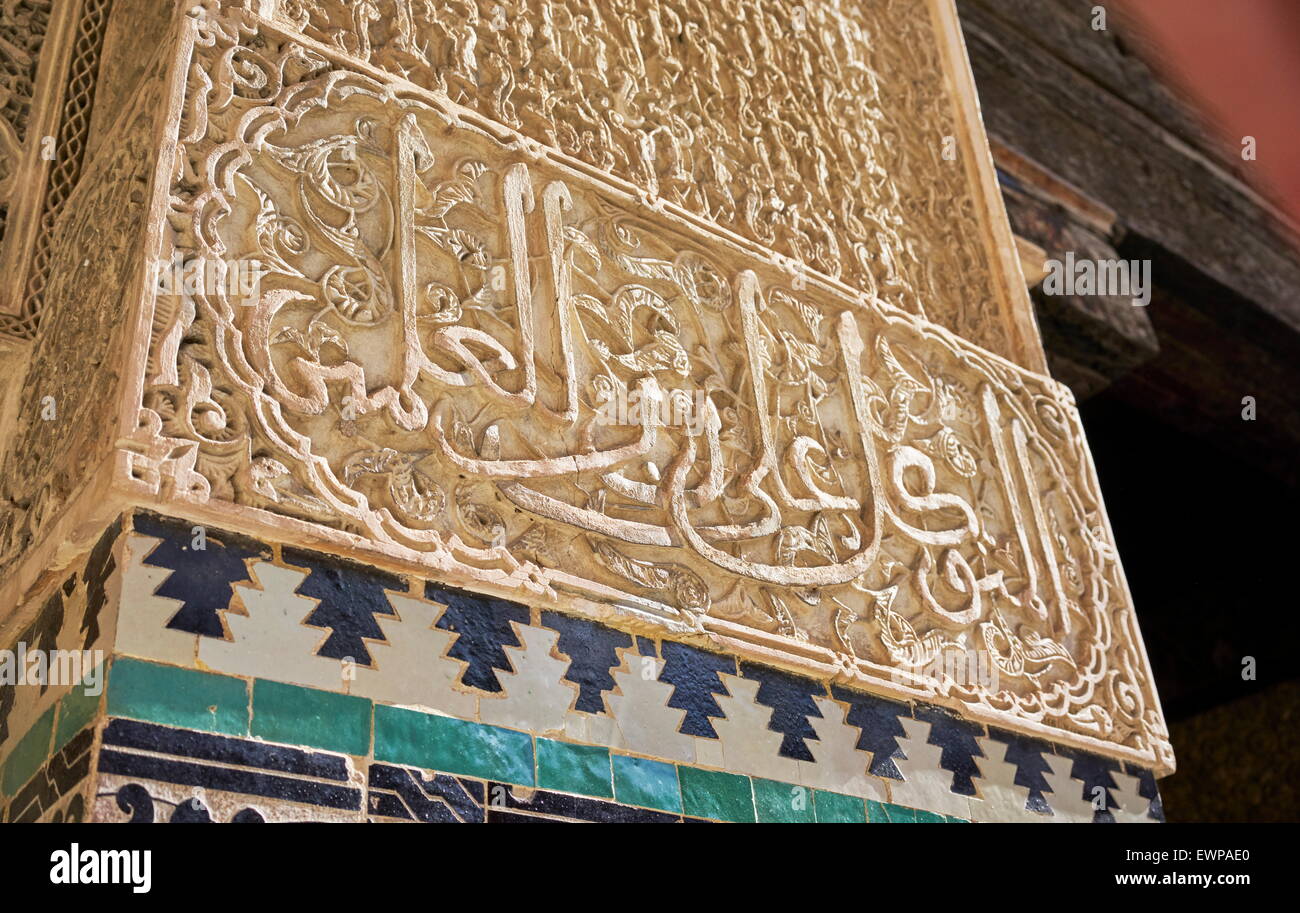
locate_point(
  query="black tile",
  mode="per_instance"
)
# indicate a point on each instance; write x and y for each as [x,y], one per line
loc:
[1031,767]
[220,749]
[350,595]
[1095,772]
[1148,790]
[60,775]
[956,737]
[483,628]
[7,696]
[396,792]
[229,779]
[43,634]
[790,698]
[201,579]
[191,811]
[499,816]
[877,718]
[99,567]
[593,651]
[694,675]
[578,808]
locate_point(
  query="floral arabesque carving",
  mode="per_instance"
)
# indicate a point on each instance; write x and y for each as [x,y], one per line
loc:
[450,321]
[799,126]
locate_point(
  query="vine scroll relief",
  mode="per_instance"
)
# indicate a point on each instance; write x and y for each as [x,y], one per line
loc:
[461,347]
[752,114]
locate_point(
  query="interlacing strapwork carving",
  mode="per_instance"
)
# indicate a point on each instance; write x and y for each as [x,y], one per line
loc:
[799,126]
[71,144]
[464,348]
[65,424]
[23,24]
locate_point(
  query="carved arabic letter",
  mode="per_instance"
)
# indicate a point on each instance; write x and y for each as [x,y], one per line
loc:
[569,464]
[786,575]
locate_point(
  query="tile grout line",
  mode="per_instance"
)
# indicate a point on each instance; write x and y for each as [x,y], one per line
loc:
[250,681]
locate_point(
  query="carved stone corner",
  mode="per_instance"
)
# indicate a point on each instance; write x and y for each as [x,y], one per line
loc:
[603,331]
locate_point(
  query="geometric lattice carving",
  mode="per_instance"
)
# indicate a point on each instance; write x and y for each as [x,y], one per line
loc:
[23,26]
[70,144]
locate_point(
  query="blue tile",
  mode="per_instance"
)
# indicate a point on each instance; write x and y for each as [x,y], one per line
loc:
[652,784]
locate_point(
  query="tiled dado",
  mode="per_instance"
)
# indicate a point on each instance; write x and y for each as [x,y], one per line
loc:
[261,682]
[197,745]
[46,729]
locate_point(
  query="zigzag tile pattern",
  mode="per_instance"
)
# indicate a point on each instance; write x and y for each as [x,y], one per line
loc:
[546,674]
[56,792]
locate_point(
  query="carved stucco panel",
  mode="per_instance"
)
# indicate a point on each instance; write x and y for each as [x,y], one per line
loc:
[65,420]
[23,27]
[465,350]
[802,127]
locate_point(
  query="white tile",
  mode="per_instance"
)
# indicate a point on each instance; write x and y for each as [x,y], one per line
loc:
[592,728]
[925,784]
[412,668]
[646,724]
[708,752]
[534,696]
[1133,808]
[749,746]
[1066,797]
[143,616]
[999,798]
[272,640]
[838,764]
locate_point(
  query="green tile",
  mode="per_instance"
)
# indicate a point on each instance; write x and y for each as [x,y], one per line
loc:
[571,768]
[713,794]
[783,803]
[178,697]
[900,814]
[307,716]
[30,752]
[888,813]
[650,784]
[78,708]
[924,817]
[452,746]
[837,808]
